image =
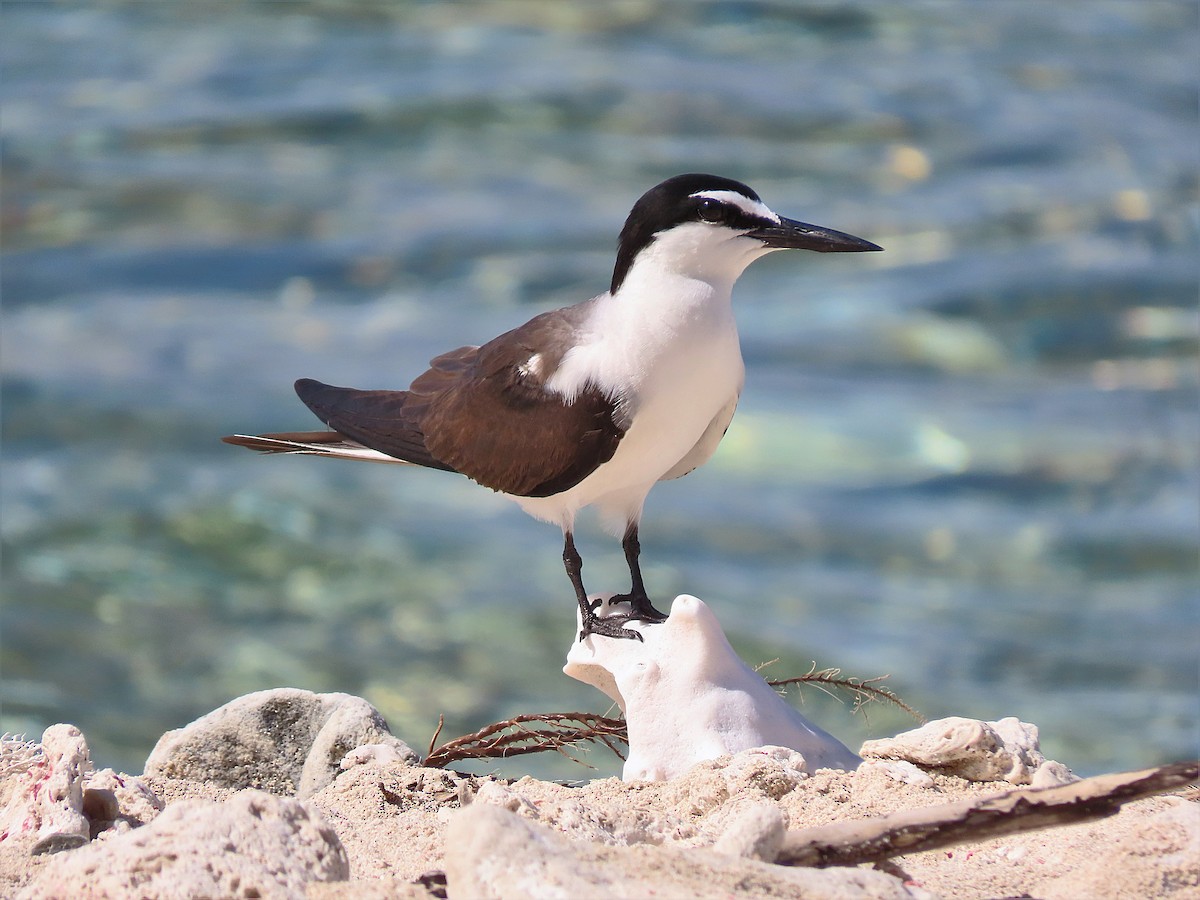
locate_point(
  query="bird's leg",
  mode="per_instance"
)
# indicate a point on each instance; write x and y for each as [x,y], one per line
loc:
[639,600]
[609,626]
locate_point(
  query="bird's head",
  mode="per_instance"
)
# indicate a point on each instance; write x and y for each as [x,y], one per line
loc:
[711,227]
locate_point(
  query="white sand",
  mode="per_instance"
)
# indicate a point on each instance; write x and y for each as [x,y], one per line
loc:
[392,820]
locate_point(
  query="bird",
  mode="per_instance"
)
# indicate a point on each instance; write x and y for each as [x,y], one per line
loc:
[593,404]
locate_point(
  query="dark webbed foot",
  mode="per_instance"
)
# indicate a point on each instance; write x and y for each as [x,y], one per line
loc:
[608,626]
[640,607]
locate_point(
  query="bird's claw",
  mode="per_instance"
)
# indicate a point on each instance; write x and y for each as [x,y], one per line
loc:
[609,626]
[640,608]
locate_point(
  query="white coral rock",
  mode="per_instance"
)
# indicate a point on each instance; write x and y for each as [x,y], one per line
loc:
[688,697]
[1005,750]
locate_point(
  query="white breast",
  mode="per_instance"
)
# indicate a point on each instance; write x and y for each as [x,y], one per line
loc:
[677,365]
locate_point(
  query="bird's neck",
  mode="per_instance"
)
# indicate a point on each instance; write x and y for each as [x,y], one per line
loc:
[657,322]
[668,288]
[656,309]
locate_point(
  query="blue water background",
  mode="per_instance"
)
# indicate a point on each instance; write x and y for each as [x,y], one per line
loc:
[969,462]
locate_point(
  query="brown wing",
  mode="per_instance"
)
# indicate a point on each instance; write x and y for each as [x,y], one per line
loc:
[485,412]
[311,443]
[375,419]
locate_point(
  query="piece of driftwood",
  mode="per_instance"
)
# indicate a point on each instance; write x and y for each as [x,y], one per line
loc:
[968,821]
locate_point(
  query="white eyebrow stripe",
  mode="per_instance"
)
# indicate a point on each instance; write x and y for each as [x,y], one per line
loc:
[744,203]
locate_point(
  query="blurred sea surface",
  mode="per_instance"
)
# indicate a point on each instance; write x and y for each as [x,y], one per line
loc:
[969,462]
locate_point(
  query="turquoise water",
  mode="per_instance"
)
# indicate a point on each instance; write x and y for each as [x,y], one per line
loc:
[969,462]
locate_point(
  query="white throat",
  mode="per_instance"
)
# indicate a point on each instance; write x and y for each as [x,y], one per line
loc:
[694,251]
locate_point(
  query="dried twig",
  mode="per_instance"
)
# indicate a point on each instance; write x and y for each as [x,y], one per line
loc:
[976,819]
[521,734]
[433,740]
[865,690]
[560,731]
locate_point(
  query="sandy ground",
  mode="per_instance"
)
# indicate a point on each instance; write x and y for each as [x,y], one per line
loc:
[392,820]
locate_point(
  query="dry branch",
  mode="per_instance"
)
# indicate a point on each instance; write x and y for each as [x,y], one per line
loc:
[561,731]
[969,821]
[865,690]
[531,734]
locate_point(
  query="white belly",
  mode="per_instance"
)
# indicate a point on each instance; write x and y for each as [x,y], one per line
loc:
[679,391]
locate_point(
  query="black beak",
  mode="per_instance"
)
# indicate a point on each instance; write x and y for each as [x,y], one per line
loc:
[792,235]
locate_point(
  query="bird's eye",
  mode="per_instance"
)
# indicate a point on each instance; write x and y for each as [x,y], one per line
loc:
[712,210]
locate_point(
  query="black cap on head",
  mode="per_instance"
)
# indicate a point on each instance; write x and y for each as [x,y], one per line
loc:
[664,206]
[675,202]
